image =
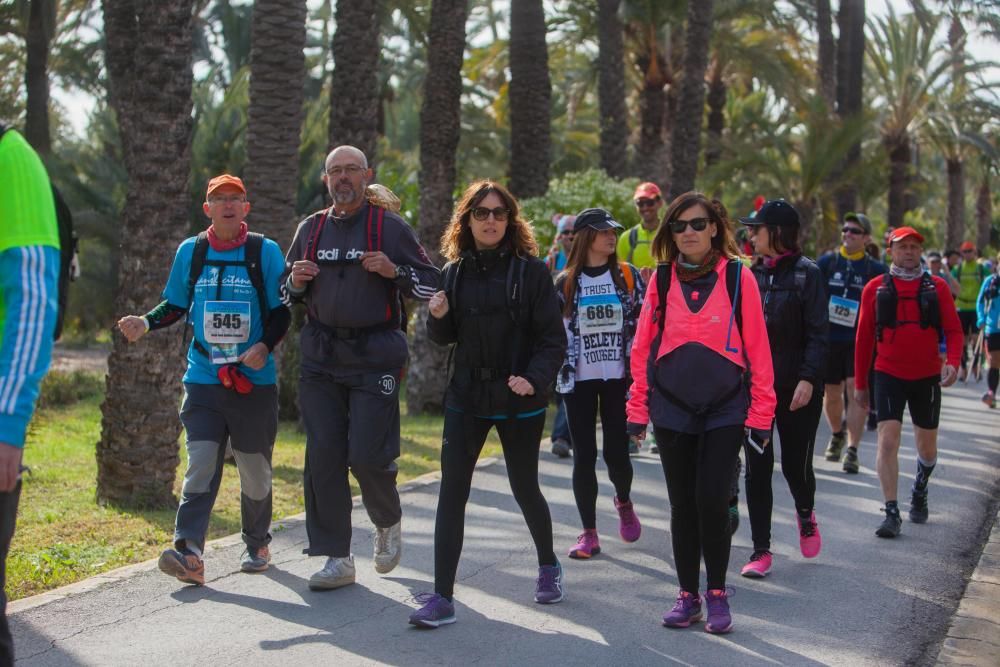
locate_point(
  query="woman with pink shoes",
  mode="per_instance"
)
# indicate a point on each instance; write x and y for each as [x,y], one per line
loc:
[600,300]
[797,312]
[701,343]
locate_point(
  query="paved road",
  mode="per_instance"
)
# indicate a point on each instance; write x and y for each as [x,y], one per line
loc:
[864,601]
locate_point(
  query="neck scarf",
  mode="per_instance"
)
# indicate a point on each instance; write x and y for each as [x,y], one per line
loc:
[219,245]
[905,274]
[771,262]
[687,272]
[852,256]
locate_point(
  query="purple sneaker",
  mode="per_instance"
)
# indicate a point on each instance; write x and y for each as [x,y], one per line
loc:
[436,611]
[548,586]
[686,610]
[628,523]
[719,619]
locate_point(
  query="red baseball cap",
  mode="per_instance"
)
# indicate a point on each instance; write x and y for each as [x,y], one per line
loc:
[967,245]
[651,190]
[225,179]
[903,232]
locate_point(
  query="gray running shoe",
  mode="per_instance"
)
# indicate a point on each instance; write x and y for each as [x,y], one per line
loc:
[388,547]
[255,559]
[891,526]
[835,447]
[851,461]
[918,507]
[336,573]
[561,448]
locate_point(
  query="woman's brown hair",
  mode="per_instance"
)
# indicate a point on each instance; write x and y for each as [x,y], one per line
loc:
[577,259]
[457,238]
[665,248]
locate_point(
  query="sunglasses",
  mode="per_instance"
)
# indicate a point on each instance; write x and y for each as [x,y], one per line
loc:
[646,203]
[697,224]
[481,213]
[853,230]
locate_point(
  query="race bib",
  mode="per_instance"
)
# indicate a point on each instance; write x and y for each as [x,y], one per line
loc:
[600,313]
[843,311]
[226,322]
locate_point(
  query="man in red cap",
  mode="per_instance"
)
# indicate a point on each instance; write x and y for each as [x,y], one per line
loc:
[970,275]
[225,283]
[634,245]
[903,314]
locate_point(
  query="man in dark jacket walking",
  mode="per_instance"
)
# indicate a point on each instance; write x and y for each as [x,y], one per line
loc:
[349,264]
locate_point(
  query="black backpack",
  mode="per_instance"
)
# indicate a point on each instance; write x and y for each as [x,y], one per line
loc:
[68,248]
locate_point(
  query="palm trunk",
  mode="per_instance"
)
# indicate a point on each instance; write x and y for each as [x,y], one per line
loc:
[956,203]
[611,89]
[440,116]
[651,155]
[984,212]
[899,177]
[686,137]
[827,55]
[354,91]
[716,118]
[850,71]
[36,76]
[530,95]
[149,67]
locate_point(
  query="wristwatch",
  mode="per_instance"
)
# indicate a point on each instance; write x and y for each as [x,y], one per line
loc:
[401,271]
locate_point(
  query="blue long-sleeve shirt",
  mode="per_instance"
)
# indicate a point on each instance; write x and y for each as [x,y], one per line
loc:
[990,318]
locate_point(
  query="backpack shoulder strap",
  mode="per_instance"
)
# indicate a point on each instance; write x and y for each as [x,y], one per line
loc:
[197,264]
[628,275]
[633,241]
[312,235]
[515,286]
[800,274]
[663,275]
[252,253]
[450,282]
[376,216]
[733,275]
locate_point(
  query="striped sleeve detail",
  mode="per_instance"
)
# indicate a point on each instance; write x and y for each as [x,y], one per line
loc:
[29,324]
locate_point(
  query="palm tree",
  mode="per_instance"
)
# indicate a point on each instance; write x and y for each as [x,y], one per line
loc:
[910,71]
[850,82]
[274,119]
[826,60]
[41,28]
[611,89]
[686,138]
[530,96]
[440,127]
[355,98]
[149,67]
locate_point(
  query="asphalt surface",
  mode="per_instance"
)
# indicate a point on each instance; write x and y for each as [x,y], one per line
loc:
[863,601]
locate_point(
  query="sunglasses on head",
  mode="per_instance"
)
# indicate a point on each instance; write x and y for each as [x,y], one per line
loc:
[481,213]
[697,224]
[646,203]
[852,230]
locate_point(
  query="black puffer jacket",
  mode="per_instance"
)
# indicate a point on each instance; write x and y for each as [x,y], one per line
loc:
[795,309]
[481,322]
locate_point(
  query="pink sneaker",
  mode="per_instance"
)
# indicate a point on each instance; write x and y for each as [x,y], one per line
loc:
[628,523]
[758,566]
[810,541]
[587,545]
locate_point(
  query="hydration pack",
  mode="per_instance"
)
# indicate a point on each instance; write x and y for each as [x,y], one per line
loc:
[887,301]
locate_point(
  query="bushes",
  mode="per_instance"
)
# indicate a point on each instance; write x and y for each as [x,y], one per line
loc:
[60,388]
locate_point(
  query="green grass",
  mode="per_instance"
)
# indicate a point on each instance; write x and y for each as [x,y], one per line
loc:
[63,535]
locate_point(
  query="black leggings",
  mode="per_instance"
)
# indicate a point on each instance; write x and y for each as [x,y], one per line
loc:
[581,411]
[797,431]
[699,472]
[463,441]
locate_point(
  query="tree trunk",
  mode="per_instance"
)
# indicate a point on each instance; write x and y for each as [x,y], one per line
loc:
[611,90]
[41,23]
[651,155]
[899,177]
[850,71]
[716,116]
[955,233]
[984,213]
[530,95]
[149,66]
[440,125]
[354,90]
[686,138]
[827,55]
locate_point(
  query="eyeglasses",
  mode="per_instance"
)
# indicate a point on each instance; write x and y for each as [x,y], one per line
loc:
[968,251]
[227,199]
[481,213]
[350,170]
[697,224]
[646,203]
[853,230]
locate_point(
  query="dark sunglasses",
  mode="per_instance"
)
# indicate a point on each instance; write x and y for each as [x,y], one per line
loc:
[853,230]
[482,213]
[646,203]
[698,225]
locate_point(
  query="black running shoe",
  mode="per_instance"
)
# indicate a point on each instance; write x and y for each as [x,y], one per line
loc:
[891,525]
[918,507]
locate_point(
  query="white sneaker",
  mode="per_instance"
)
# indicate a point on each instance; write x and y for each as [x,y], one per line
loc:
[336,573]
[388,547]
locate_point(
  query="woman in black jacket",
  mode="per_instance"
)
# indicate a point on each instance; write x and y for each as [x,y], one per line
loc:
[500,311]
[795,309]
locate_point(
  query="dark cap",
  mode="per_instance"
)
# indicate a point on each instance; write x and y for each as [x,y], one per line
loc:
[777,212]
[595,218]
[861,219]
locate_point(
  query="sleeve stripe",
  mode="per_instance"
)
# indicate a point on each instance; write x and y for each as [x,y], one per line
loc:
[29,327]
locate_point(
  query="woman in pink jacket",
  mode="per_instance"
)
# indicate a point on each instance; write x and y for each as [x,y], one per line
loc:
[702,373]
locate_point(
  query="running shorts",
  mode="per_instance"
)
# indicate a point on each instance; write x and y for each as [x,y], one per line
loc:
[993,342]
[840,362]
[923,397]
[968,320]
